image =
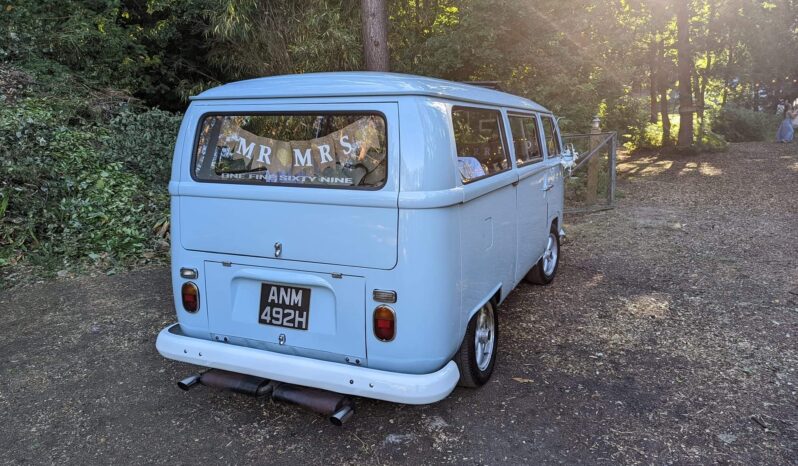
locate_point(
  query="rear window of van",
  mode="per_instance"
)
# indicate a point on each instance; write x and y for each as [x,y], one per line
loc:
[343,150]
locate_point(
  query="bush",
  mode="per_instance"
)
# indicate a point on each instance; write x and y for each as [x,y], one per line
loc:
[144,142]
[739,124]
[712,142]
[73,190]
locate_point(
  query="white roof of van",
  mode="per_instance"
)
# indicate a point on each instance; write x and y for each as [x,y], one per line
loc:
[363,84]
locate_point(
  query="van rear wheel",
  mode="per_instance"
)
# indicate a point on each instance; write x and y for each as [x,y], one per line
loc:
[477,354]
[544,271]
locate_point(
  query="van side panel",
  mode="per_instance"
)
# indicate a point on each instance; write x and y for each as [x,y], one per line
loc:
[427,276]
[488,241]
[488,231]
[192,324]
[428,290]
[426,135]
[182,147]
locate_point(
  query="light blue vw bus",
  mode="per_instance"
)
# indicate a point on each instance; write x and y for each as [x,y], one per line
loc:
[356,232]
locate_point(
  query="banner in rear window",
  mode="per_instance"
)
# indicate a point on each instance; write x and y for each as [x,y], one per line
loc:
[325,149]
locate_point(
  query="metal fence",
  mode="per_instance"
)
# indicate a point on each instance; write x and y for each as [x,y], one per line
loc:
[591,184]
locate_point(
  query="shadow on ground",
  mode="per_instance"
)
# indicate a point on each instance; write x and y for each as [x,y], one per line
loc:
[669,336]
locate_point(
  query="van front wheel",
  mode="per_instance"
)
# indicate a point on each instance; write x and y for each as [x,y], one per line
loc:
[477,354]
[544,271]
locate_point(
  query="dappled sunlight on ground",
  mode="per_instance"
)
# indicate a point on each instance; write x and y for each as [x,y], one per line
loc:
[654,305]
[656,168]
[704,168]
[707,169]
[594,281]
[648,166]
[644,166]
[690,167]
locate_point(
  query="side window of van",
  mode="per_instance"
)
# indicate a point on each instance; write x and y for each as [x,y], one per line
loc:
[524,131]
[552,143]
[480,146]
[343,150]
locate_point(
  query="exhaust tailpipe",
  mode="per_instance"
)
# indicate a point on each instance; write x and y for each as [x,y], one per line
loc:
[339,417]
[336,407]
[189,382]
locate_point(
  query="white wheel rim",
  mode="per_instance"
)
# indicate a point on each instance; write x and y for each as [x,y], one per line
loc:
[550,256]
[485,337]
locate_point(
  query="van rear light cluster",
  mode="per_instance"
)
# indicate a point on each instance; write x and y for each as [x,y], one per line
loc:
[190,294]
[384,323]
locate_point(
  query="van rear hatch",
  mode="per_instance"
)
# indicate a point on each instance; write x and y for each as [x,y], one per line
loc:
[305,186]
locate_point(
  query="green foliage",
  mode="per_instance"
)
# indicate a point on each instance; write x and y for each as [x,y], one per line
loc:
[629,117]
[76,188]
[151,49]
[250,38]
[739,124]
[143,143]
[649,137]
[712,142]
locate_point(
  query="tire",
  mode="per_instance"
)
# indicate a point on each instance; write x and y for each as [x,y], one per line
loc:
[476,360]
[544,271]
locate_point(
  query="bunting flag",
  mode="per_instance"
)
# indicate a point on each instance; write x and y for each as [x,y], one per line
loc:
[334,155]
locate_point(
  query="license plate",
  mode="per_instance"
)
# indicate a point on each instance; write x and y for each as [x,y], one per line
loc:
[284,306]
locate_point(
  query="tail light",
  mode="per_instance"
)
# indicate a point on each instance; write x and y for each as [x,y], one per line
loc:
[190,294]
[384,323]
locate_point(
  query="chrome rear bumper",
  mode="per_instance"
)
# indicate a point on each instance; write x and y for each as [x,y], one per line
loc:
[340,378]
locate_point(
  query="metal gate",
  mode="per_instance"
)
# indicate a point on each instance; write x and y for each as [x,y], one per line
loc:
[590,185]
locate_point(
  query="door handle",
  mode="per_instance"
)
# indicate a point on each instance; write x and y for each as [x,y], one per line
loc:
[548,187]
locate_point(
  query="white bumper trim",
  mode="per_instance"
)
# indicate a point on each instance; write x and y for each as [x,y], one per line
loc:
[341,378]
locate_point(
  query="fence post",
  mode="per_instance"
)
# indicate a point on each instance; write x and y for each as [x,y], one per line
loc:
[593,163]
[613,162]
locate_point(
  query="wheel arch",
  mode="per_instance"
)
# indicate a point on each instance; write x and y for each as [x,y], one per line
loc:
[555,223]
[494,297]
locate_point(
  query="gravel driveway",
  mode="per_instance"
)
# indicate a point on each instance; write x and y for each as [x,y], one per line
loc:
[669,336]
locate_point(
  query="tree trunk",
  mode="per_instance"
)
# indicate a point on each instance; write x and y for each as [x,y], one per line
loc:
[653,64]
[375,34]
[663,110]
[685,59]
[702,97]
[663,95]
[727,75]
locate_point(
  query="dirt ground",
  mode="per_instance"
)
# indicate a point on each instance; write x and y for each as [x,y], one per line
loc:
[669,336]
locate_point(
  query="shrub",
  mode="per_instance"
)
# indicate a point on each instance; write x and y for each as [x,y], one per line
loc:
[144,143]
[712,142]
[73,190]
[739,124]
